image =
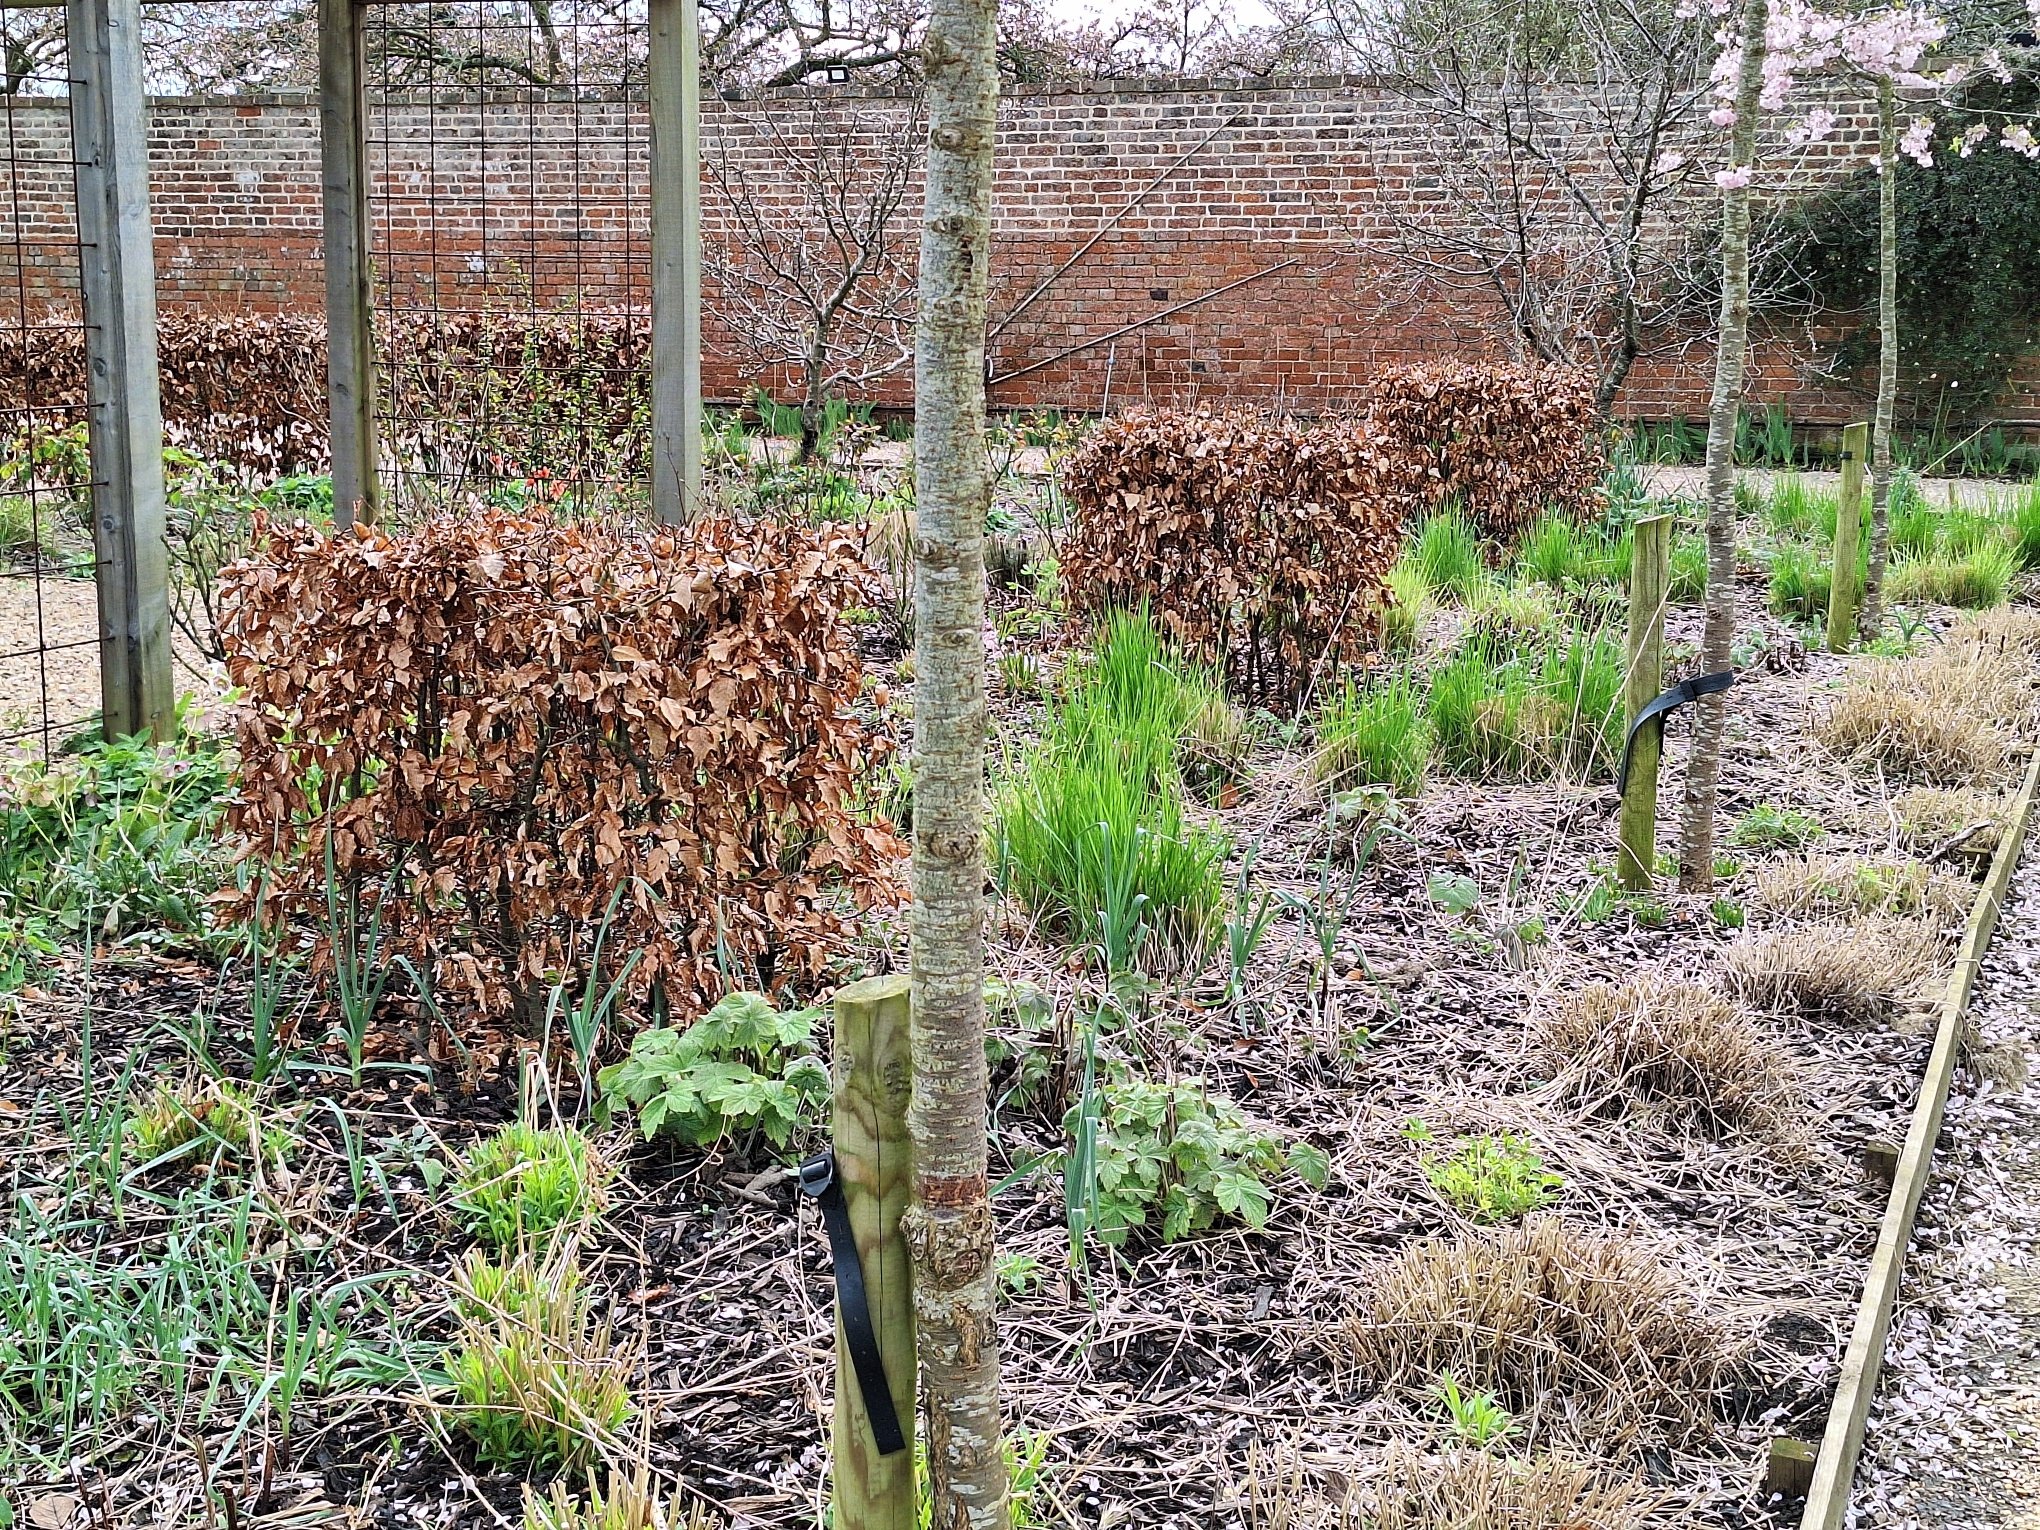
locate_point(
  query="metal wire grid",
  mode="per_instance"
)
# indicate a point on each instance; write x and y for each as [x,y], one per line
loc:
[509,212]
[49,622]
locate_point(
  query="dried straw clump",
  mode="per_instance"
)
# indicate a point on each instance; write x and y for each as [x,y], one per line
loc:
[1883,719]
[2006,629]
[1854,974]
[1676,1046]
[1473,1490]
[1573,1331]
[1930,816]
[1856,885]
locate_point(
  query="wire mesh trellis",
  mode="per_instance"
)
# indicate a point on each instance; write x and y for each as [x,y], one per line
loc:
[509,218]
[49,621]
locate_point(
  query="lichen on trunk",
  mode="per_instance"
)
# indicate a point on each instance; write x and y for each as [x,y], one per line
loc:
[1717,644]
[949,1226]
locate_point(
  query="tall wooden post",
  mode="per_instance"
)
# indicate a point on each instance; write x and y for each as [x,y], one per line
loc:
[350,335]
[1844,593]
[874,1080]
[117,275]
[673,97]
[1650,573]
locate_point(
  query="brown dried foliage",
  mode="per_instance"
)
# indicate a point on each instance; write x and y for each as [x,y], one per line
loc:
[1508,442]
[1862,973]
[1477,1489]
[247,390]
[1678,1047]
[1261,546]
[514,721]
[1575,1332]
[492,391]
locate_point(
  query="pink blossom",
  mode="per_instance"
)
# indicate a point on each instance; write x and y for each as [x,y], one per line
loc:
[1917,141]
[1969,138]
[1818,124]
[1671,162]
[1733,179]
[2020,140]
[1722,116]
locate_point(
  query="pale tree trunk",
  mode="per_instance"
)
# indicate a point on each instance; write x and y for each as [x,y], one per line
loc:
[949,1225]
[1717,644]
[1887,358]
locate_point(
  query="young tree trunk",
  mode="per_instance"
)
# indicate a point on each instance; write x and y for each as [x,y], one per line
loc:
[1887,359]
[949,1225]
[1717,644]
[813,403]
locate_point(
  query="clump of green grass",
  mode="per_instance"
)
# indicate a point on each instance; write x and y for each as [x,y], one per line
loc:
[1768,826]
[217,1114]
[1561,552]
[1374,735]
[536,1383]
[1447,552]
[1801,583]
[1091,829]
[1514,615]
[1979,578]
[1796,508]
[1410,602]
[1554,708]
[1689,570]
[2023,518]
[523,1183]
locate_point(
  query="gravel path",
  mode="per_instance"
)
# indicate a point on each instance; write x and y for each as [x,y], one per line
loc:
[58,688]
[1954,1441]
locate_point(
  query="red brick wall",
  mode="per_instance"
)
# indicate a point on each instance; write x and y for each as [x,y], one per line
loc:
[1302,167]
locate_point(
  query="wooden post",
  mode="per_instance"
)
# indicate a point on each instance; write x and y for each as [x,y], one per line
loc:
[875,1166]
[1844,592]
[117,275]
[674,99]
[1650,577]
[350,334]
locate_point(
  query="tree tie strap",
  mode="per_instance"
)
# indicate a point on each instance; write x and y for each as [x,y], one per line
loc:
[853,1305]
[1665,701]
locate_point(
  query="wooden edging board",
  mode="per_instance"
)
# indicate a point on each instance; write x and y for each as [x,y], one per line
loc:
[1834,1471]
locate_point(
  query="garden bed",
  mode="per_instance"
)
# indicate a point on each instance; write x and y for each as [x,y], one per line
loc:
[1420,1011]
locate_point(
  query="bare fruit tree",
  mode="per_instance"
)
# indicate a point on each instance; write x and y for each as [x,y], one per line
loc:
[814,273]
[1553,141]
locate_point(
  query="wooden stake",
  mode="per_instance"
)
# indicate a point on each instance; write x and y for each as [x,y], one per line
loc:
[350,337]
[875,1166]
[1789,1472]
[1845,593]
[1650,577]
[124,420]
[674,95]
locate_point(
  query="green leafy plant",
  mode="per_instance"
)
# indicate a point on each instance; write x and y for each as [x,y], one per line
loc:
[172,1120]
[1768,826]
[1187,1154]
[1476,1417]
[1492,1179]
[744,1066]
[114,838]
[631,1502]
[523,1183]
[1247,925]
[535,1382]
